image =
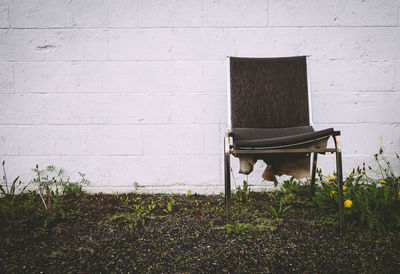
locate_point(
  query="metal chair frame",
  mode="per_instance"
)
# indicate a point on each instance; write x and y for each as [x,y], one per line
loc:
[229,150]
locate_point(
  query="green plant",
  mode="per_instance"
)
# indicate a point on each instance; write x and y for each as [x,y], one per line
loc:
[13,188]
[291,186]
[136,187]
[140,214]
[238,228]
[277,213]
[242,193]
[169,208]
[373,202]
[52,186]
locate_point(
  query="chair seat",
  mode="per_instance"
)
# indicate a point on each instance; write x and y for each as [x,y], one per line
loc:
[277,137]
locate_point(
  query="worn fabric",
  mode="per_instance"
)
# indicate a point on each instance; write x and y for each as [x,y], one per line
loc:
[292,164]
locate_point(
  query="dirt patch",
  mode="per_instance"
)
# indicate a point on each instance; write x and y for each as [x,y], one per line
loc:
[181,233]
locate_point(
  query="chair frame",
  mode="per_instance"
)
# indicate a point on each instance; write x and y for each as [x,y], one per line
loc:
[229,150]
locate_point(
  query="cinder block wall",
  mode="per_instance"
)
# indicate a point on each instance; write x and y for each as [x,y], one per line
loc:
[135,90]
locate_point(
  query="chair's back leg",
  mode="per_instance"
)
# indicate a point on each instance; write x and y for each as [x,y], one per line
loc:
[339,177]
[314,169]
[227,174]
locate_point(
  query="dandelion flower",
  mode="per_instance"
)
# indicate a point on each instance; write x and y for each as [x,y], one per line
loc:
[382,181]
[351,175]
[363,171]
[331,179]
[344,188]
[348,203]
[333,193]
[398,194]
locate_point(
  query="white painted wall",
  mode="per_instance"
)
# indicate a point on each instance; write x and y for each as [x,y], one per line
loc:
[135,90]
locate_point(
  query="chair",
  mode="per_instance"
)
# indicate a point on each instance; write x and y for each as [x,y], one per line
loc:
[269,118]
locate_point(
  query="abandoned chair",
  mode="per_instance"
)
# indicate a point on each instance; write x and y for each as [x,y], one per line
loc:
[269,119]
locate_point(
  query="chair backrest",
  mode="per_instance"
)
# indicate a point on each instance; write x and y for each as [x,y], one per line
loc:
[268,92]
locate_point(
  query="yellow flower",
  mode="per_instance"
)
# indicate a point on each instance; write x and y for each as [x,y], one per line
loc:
[331,179]
[348,203]
[351,175]
[398,194]
[382,181]
[333,193]
[344,188]
[363,171]
[329,175]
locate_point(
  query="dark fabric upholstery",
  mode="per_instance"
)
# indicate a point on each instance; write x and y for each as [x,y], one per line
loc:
[269,92]
[255,137]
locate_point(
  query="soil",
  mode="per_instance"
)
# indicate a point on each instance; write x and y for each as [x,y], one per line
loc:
[141,233]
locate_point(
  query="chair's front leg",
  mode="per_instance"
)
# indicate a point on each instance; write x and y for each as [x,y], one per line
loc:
[339,177]
[314,169]
[227,174]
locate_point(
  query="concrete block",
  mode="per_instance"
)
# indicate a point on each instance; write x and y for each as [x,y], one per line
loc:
[165,76]
[167,171]
[366,13]
[351,43]
[22,109]
[6,78]
[362,138]
[215,108]
[301,13]
[52,44]
[371,107]
[111,140]
[107,76]
[396,75]
[186,108]
[105,13]
[237,13]
[77,108]
[173,13]
[142,44]
[90,44]
[95,168]
[214,139]
[270,42]
[69,140]
[352,75]
[4,18]
[395,140]
[41,14]
[327,164]
[155,109]
[215,76]
[173,140]
[202,44]
[44,77]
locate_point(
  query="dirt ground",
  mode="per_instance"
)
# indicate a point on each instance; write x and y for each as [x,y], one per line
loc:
[187,233]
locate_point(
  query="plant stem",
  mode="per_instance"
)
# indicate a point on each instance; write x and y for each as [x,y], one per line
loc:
[5,177]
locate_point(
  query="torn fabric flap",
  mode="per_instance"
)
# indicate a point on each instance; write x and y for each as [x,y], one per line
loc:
[292,164]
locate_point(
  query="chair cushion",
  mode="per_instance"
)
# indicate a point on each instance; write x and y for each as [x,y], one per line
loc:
[264,138]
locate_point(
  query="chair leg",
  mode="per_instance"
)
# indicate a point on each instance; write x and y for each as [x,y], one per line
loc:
[339,177]
[314,169]
[227,173]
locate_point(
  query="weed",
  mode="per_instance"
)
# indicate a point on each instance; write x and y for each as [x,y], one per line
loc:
[237,229]
[242,193]
[13,189]
[169,208]
[277,213]
[372,202]
[136,187]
